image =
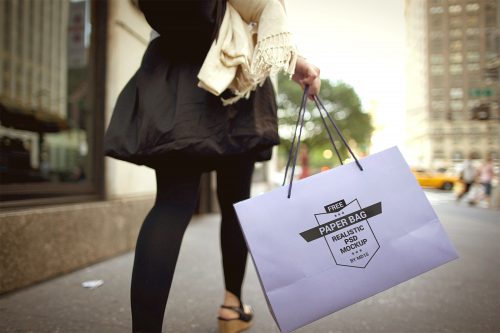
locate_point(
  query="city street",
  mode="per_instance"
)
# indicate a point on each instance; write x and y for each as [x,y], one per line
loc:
[462,296]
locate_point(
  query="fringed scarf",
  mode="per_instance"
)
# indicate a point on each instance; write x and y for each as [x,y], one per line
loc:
[253,43]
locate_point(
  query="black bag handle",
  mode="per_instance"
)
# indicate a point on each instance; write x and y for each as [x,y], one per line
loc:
[300,124]
[318,100]
[300,121]
[329,133]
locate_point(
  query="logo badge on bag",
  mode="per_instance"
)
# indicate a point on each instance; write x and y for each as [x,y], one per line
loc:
[347,232]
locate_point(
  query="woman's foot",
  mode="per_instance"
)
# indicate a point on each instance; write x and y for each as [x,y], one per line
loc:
[235,319]
[229,313]
[230,300]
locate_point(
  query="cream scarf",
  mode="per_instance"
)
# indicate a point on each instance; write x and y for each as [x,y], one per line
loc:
[253,43]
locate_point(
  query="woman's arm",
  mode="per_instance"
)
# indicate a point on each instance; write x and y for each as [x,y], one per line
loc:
[306,73]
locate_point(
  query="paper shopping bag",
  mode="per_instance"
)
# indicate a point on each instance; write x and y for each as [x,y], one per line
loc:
[342,236]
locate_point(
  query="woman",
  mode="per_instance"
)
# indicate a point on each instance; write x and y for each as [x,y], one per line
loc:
[163,120]
[486,173]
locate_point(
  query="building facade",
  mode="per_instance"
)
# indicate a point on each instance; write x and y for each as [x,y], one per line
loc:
[452,111]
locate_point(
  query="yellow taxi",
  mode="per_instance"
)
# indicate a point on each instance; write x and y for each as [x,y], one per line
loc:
[427,178]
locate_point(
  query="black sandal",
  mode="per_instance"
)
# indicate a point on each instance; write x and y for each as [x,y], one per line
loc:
[236,325]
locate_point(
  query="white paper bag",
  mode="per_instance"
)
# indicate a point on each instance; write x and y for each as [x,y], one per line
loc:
[343,235]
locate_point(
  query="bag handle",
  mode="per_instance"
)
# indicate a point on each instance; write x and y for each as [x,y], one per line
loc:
[300,121]
[318,100]
[300,124]
[328,131]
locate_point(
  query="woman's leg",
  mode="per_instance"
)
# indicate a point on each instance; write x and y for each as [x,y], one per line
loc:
[158,246]
[234,177]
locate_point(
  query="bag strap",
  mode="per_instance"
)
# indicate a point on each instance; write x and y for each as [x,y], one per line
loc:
[329,133]
[300,121]
[318,100]
[300,124]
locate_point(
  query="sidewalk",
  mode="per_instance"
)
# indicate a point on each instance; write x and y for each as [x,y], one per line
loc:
[462,296]
[63,305]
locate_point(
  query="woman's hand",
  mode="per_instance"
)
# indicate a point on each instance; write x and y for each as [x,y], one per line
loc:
[306,73]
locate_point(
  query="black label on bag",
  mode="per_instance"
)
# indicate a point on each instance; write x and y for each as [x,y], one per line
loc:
[347,232]
[335,207]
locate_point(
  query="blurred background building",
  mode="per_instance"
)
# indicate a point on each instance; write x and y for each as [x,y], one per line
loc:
[453,49]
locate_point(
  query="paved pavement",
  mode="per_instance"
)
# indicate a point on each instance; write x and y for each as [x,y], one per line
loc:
[462,296]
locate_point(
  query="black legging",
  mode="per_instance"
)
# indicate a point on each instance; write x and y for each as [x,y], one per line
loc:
[161,235]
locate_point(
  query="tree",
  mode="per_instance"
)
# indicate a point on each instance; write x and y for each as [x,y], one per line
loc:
[344,106]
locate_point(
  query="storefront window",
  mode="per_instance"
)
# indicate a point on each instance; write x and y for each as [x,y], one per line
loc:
[48,109]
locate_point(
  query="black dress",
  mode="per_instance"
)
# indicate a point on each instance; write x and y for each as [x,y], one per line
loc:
[162,116]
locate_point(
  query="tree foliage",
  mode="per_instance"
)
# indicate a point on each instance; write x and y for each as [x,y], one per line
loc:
[344,106]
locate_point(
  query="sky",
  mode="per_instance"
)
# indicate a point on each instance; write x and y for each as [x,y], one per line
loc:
[362,43]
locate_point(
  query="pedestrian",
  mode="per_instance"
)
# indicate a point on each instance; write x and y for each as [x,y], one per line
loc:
[467,176]
[164,120]
[485,176]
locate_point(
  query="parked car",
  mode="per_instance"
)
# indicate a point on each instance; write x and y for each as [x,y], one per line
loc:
[427,178]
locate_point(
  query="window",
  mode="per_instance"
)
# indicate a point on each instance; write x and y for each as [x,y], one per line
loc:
[493,154]
[436,81]
[473,37]
[455,33]
[437,92]
[474,141]
[437,115]
[436,34]
[438,105]
[456,105]
[437,59]
[457,156]
[437,70]
[475,155]
[436,44]
[456,22]
[478,139]
[471,103]
[456,69]
[472,7]
[492,43]
[436,22]
[473,67]
[456,57]
[437,131]
[456,93]
[436,10]
[51,120]
[473,56]
[473,44]
[471,21]
[457,115]
[472,31]
[438,154]
[491,18]
[456,45]
[455,9]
